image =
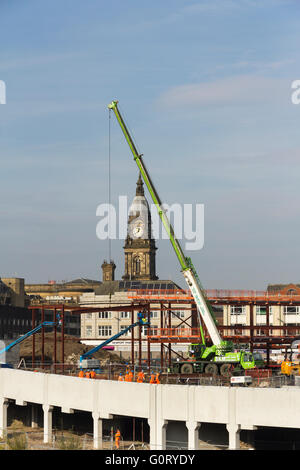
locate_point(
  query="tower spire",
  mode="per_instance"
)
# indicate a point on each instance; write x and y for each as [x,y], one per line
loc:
[139,186]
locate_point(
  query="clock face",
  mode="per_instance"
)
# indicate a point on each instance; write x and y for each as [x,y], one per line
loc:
[137,228]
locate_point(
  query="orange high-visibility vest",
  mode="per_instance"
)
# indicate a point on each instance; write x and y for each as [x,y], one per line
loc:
[117,438]
[130,376]
[152,379]
[140,377]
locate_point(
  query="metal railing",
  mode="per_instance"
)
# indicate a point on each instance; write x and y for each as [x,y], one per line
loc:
[212,294]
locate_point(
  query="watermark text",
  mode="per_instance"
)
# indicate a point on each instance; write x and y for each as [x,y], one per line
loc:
[141,221]
[2,92]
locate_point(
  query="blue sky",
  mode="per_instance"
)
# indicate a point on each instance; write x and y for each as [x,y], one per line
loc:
[205,86]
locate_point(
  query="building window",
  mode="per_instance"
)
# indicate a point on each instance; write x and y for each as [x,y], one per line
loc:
[151,331]
[154,314]
[105,330]
[124,315]
[262,310]
[291,309]
[88,331]
[238,310]
[104,315]
[123,327]
[88,315]
[178,313]
[137,263]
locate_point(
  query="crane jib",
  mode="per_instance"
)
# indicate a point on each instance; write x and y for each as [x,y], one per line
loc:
[189,274]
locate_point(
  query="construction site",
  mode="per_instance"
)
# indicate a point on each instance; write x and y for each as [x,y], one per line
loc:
[60,382]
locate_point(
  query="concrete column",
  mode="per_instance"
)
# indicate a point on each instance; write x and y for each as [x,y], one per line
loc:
[3,416]
[234,436]
[161,434]
[47,423]
[152,436]
[97,435]
[193,434]
[34,416]
[158,433]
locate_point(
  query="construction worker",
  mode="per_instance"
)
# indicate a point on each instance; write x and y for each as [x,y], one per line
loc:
[152,378]
[121,378]
[117,438]
[130,376]
[127,376]
[81,373]
[93,374]
[140,377]
[88,374]
[157,381]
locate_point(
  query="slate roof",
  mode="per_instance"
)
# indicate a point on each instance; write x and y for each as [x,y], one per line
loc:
[110,287]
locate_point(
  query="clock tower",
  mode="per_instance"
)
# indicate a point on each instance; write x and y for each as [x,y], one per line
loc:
[139,248]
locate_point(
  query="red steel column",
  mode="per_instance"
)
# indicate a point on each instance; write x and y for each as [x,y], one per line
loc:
[43,339]
[140,346]
[251,327]
[55,340]
[161,344]
[268,326]
[132,338]
[33,337]
[62,337]
[148,342]
[169,326]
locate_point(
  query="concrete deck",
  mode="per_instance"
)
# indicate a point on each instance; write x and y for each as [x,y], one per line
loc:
[236,407]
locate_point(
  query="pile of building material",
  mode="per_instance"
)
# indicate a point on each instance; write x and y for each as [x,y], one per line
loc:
[73,349]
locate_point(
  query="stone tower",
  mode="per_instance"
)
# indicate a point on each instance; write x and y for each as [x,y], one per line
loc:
[139,248]
[108,271]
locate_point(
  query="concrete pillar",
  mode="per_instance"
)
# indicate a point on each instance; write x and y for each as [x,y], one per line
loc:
[3,416]
[34,416]
[161,434]
[47,423]
[234,436]
[158,433]
[193,434]
[97,433]
[152,437]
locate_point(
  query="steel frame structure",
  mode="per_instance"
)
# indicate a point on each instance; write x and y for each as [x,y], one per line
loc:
[61,309]
[259,337]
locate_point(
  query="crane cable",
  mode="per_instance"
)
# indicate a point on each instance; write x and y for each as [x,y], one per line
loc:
[109,183]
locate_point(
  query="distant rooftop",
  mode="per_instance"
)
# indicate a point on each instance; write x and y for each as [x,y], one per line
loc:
[81,285]
[110,287]
[83,280]
[274,288]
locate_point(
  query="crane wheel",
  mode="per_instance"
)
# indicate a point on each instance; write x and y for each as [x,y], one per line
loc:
[187,369]
[211,369]
[226,370]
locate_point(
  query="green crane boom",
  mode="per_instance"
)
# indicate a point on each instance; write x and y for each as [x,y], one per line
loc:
[187,267]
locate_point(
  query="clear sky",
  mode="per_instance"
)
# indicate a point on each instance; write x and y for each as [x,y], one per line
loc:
[205,87]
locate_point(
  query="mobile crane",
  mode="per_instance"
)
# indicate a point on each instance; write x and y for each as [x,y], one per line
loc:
[27,335]
[220,357]
[291,363]
[85,360]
